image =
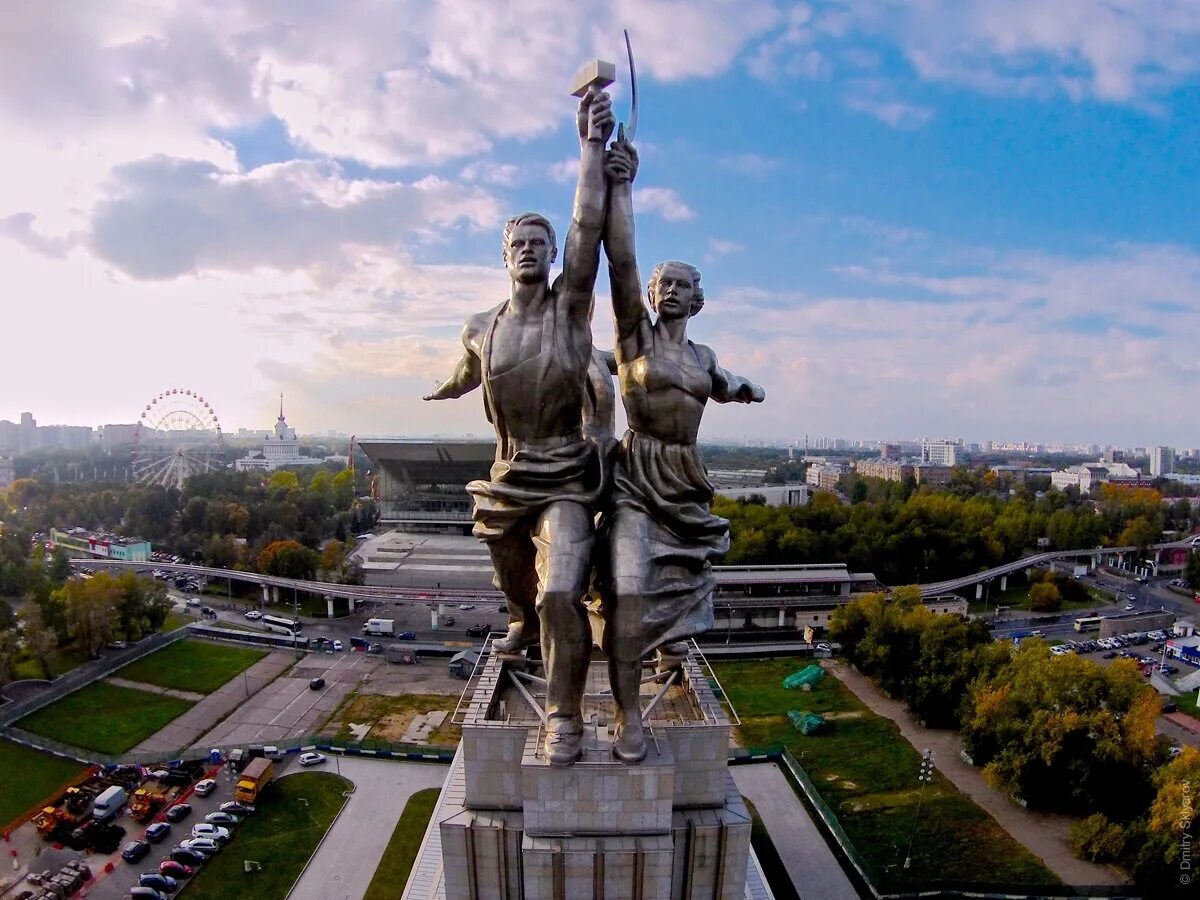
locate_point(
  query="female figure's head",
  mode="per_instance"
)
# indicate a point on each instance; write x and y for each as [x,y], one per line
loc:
[674,290]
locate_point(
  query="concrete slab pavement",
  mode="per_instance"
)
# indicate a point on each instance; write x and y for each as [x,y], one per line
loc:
[344,864]
[799,842]
[186,729]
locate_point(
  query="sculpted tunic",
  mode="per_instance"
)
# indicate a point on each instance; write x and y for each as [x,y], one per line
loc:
[664,484]
[532,470]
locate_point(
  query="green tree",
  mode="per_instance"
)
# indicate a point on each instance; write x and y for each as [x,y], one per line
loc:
[220,552]
[1192,572]
[39,638]
[8,655]
[1097,838]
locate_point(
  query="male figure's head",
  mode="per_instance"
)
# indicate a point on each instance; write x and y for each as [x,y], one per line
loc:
[530,247]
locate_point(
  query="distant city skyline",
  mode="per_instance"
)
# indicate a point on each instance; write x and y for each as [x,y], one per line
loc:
[815,443]
[952,217]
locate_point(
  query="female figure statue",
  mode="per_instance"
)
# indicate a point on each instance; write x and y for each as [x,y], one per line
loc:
[662,537]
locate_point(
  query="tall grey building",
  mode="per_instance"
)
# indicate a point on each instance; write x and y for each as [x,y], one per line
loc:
[1162,461]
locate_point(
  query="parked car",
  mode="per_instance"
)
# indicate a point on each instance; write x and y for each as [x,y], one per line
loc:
[164,884]
[141,892]
[172,869]
[135,851]
[157,832]
[465,606]
[238,809]
[205,787]
[117,645]
[406,636]
[205,846]
[479,630]
[312,758]
[178,812]
[316,684]
[208,830]
[222,818]
[186,857]
[193,601]
[253,615]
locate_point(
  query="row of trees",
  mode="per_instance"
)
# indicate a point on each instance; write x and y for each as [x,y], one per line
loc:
[223,519]
[1061,733]
[932,535]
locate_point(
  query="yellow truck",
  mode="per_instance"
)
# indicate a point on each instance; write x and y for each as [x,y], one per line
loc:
[253,779]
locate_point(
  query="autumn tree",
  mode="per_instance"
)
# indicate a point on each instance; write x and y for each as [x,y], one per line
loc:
[90,606]
[333,556]
[1045,597]
[288,559]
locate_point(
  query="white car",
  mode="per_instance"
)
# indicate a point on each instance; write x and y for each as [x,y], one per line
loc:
[337,646]
[312,758]
[1129,607]
[212,832]
[205,787]
[253,615]
[466,606]
[204,846]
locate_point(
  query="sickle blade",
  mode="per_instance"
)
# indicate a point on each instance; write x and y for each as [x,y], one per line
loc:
[631,128]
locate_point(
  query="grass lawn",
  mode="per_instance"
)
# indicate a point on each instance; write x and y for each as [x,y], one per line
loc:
[1187,703]
[867,773]
[389,717]
[28,777]
[282,835]
[176,620]
[105,717]
[197,666]
[392,874]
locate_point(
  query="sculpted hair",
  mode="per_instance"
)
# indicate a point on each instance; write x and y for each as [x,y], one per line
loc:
[529,219]
[656,275]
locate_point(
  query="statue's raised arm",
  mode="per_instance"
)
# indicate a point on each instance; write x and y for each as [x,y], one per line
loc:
[581,254]
[625,282]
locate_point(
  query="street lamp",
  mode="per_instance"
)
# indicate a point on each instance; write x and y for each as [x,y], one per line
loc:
[925,777]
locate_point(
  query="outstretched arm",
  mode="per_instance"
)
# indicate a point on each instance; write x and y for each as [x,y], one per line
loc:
[467,375]
[581,254]
[625,282]
[727,387]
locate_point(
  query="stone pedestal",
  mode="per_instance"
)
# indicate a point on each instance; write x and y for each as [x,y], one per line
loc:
[510,826]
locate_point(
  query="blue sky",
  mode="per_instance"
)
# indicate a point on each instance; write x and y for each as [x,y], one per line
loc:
[939,217]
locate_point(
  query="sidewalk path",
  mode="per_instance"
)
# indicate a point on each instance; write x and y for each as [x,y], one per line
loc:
[812,866]
[216,706]
[1045,835]
[155,689]
[345,863]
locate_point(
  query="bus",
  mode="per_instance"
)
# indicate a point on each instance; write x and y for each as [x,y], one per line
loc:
[1088,623]
[280,624]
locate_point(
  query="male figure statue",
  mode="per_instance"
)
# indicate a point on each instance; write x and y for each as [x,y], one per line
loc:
[531,355]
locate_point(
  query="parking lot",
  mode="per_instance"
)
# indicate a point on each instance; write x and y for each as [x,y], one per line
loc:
[288,707]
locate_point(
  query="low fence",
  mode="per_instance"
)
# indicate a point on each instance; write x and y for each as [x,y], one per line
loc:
[86,674]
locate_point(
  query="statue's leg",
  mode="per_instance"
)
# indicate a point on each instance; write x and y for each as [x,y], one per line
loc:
[513,559]
[628,538]
[563,541]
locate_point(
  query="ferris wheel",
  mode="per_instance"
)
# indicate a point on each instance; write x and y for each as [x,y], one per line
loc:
[178,435]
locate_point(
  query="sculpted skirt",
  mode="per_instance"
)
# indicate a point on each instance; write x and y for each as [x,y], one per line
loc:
[662,538]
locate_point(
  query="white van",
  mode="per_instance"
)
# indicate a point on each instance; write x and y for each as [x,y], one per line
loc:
[109,803]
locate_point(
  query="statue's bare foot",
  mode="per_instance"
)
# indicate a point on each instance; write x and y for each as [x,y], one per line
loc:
[515,641]
[563,744]
[630,745]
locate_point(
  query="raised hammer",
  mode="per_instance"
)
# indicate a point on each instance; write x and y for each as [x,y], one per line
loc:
[592,79]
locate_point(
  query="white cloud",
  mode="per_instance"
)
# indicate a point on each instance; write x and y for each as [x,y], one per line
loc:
[165,218]
[664,202]
[718,248]
[1120,51]
[874,97]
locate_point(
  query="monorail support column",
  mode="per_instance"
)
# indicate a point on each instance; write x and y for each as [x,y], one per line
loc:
[329,605]
[350,601]
[782,617]
[1004,582]
[266,595]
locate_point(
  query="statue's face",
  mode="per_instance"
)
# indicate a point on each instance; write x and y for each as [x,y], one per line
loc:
[529,254]
[673,293]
